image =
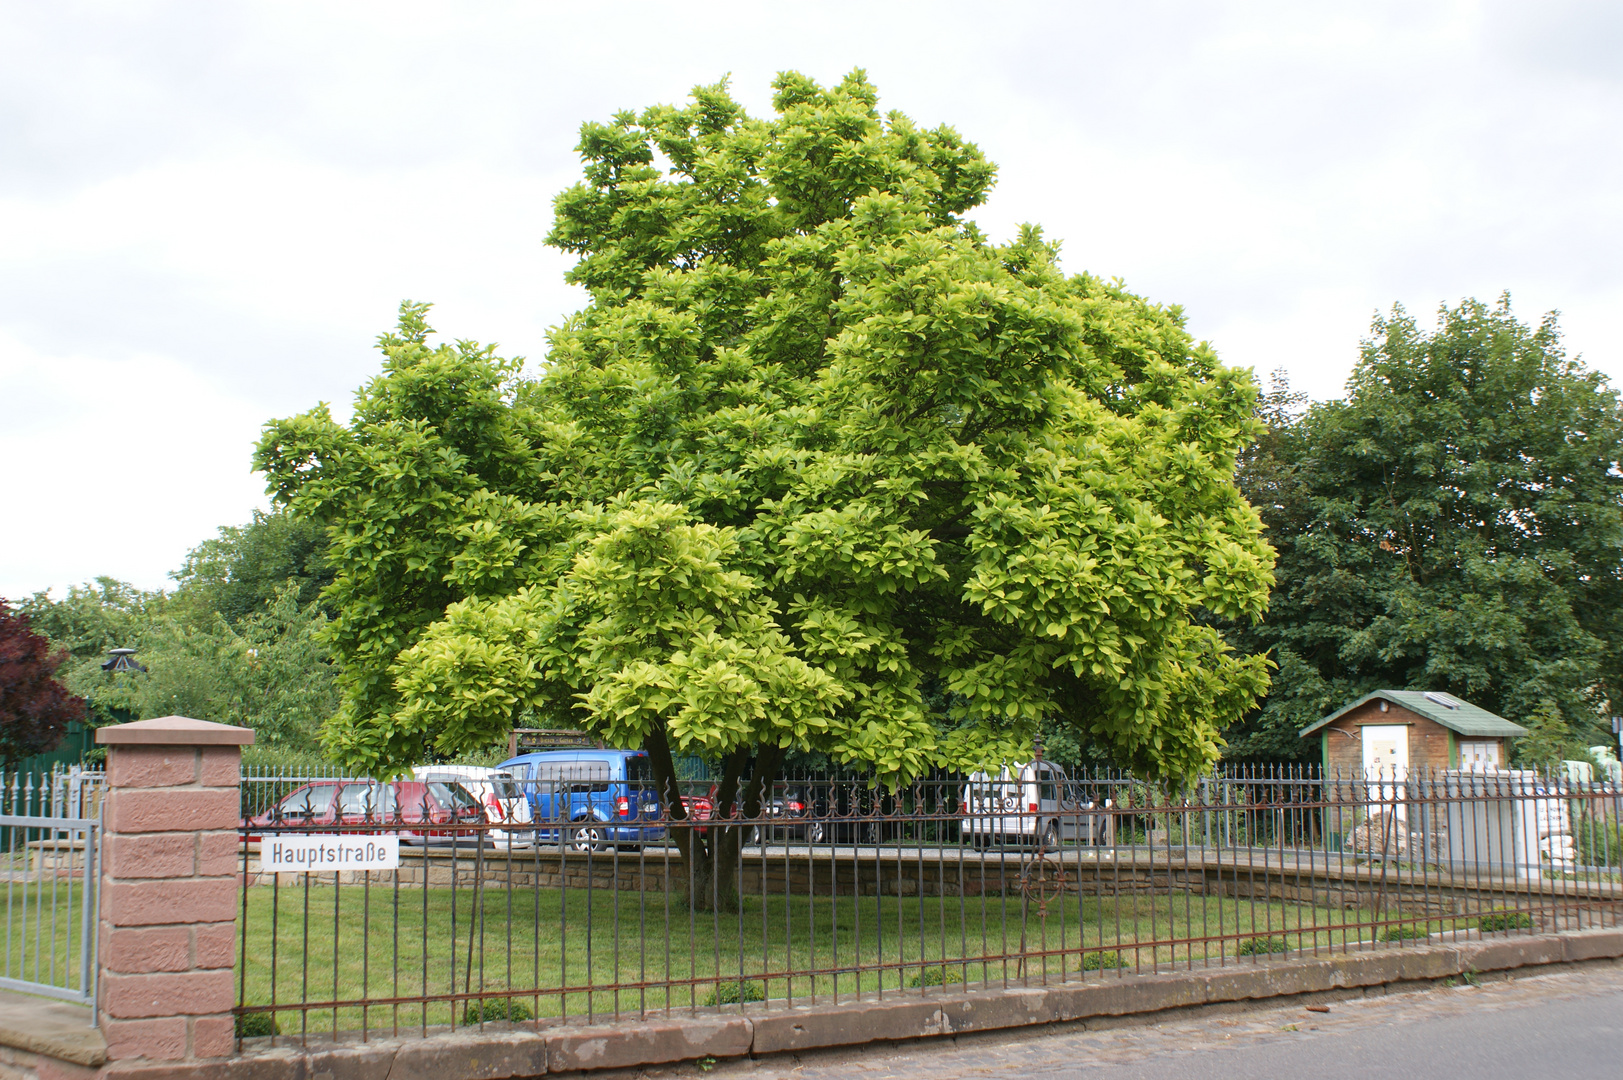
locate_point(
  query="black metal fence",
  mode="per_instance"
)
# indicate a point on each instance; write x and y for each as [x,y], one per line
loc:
[581,895]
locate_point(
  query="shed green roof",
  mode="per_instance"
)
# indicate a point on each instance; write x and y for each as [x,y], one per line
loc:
[1445,709]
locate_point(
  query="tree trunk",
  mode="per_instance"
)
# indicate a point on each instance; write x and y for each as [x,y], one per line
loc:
[711,860]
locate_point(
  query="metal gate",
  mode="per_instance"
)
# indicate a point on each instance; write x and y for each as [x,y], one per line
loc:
[49,861]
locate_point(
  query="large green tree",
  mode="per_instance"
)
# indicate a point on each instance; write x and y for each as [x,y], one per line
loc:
[1454,523]
[815,455]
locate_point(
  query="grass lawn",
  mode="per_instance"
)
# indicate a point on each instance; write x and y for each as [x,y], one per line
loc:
[43,931]
[569,949]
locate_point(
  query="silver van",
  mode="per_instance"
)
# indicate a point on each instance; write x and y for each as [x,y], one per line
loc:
[1032,805]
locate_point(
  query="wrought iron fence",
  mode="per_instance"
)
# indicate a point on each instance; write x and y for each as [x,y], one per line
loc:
[50,831]
[582,894]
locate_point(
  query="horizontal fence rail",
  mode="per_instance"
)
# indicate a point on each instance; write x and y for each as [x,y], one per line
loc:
[392,908]
[50,834]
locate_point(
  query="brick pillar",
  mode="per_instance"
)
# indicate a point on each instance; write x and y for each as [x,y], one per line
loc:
[169,888]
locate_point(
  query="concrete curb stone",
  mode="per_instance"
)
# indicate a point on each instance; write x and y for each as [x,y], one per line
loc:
[1512,953]
[370,1062]
[1592,945]
[490,1056]
[577,1049]
[283,1063]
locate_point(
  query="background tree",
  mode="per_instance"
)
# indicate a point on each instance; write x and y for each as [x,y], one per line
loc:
[238,642]
[815,455]
[35,709]
[1549,740]
[269,672]
[247,568]
[88,621]
[1455,523]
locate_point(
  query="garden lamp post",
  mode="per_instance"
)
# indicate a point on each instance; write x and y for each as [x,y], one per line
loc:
[121,660]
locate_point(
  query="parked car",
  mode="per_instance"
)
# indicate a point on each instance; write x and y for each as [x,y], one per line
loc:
[698,808]
[497,791]
[1031,805]
[785,816]
[849,812]
[591,799]
[366,802]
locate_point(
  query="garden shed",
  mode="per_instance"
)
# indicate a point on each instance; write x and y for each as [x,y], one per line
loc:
[1392,731]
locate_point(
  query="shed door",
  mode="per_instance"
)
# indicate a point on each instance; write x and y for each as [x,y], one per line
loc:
[1386,762]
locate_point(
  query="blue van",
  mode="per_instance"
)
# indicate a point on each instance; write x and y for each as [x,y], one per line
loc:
[594,797]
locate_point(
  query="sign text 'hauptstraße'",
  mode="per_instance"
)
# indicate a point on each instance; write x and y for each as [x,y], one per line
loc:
[313,854]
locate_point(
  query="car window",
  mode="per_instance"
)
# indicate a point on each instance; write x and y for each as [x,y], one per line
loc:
[452,795]
[503,785]
[316,800]
[454,780]
[572,772]
[366,800]
[640,771]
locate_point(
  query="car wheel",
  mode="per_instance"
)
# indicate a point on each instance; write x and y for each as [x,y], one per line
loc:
[753,837]
[1051,837]
[814,833]
[586,838]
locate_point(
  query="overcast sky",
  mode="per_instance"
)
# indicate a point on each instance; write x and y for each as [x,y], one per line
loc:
[209,210]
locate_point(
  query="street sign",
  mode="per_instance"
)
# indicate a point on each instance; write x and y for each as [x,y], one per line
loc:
[324,853]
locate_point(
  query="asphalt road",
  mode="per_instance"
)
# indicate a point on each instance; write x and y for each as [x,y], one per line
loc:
[1563,1026]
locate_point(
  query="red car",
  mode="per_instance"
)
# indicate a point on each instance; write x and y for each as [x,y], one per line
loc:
[784,816]
[699,808]
[359,803]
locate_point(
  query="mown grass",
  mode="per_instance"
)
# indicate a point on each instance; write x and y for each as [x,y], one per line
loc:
[604,952]
[41,936]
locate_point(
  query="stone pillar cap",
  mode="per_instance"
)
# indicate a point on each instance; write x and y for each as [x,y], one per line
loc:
[174,731]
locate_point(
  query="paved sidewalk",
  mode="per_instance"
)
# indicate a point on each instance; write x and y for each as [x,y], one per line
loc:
[1566,1023]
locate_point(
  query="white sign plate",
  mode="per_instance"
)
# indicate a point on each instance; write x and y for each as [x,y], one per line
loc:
[318,854]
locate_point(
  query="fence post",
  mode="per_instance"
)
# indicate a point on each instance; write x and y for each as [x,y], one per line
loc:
[169,888]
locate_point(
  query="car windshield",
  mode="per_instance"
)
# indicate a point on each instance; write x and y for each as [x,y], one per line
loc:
[504,787]
[452,795]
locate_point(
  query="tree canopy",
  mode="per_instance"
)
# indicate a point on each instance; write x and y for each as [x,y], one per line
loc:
[1454,523]
[244,570]
[815,454]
